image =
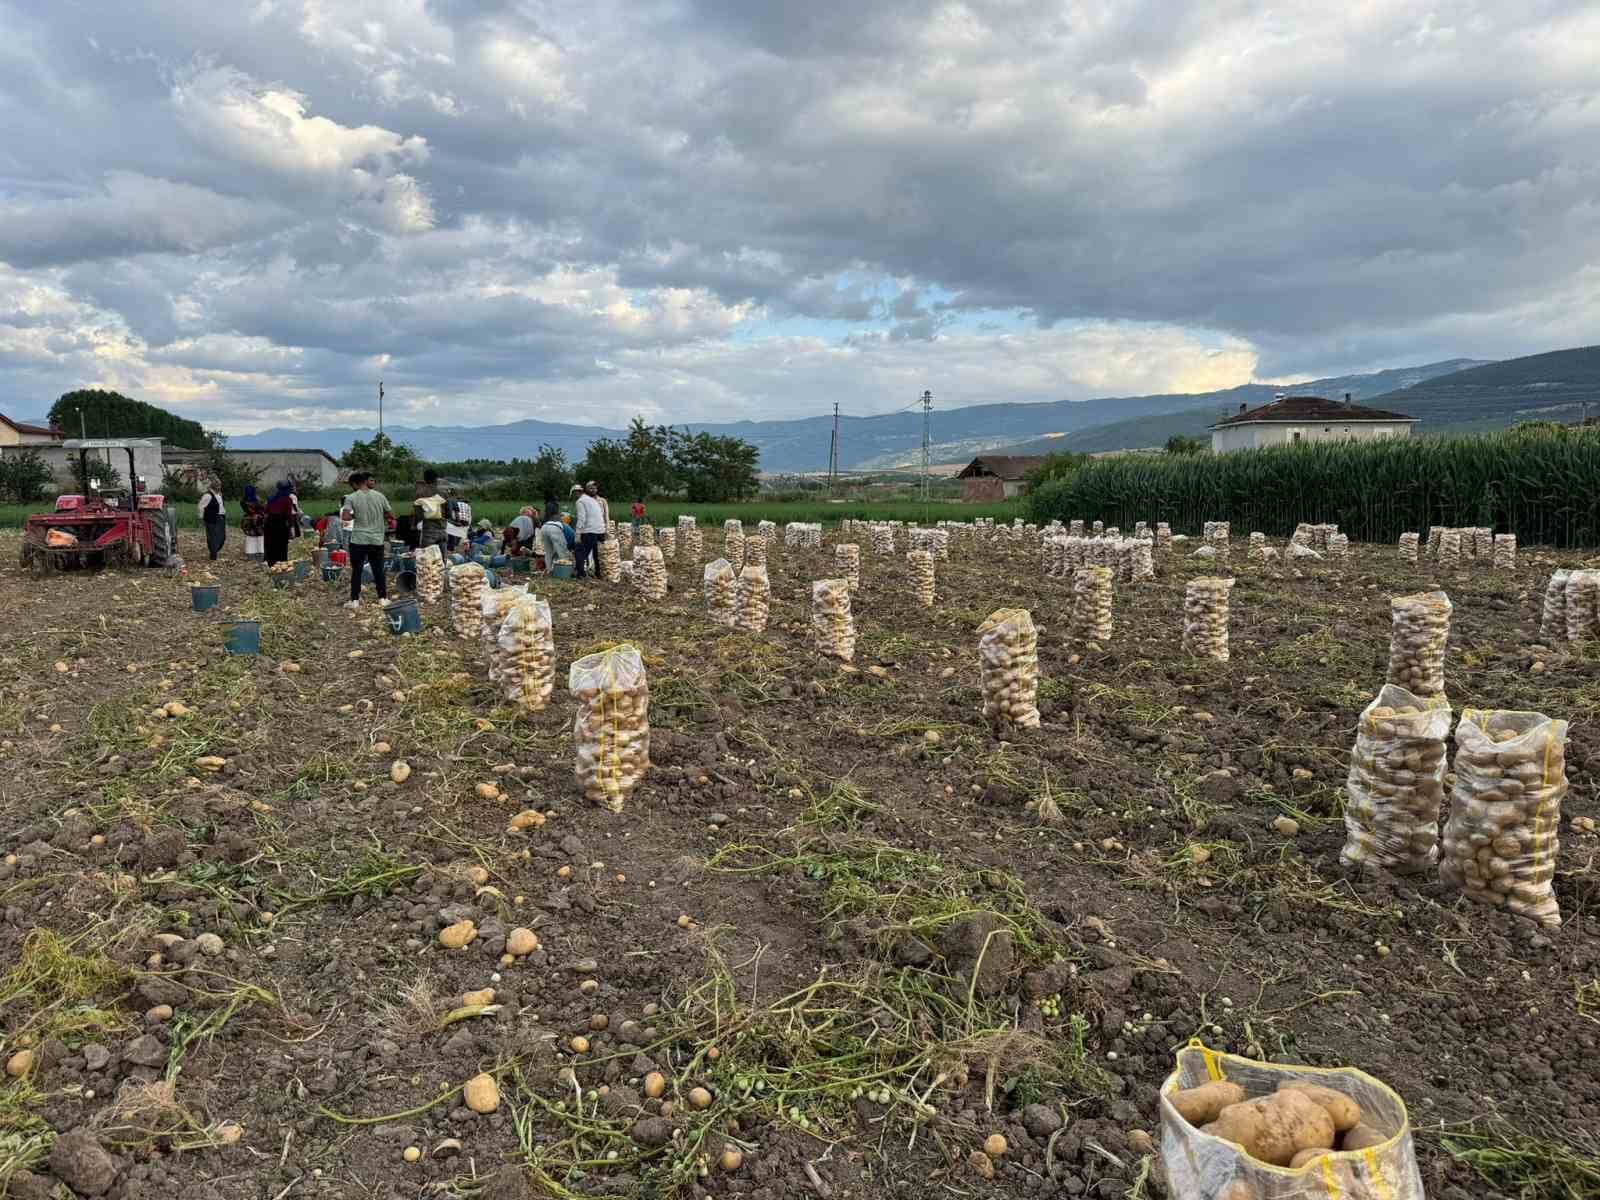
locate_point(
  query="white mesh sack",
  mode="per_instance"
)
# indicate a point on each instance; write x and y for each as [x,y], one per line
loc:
[835,628]
[847,561]
[430,575]
[1008,662]
[1553,614]
[611,732]
[1408,547]
[752,601]
[1418,638]
[721,586]
[1205,617]
[525,654]
[467,582]
[1394,792]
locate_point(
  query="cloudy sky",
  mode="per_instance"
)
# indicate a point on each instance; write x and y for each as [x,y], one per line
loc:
[250,210]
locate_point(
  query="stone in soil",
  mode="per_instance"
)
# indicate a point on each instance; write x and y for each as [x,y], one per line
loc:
[145,1051]
[981,944]
[80,1162]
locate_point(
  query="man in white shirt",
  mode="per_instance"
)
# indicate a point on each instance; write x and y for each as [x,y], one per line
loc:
[591,526]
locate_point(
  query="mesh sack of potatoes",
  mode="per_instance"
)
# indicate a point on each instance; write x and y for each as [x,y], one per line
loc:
[1435,537]
[624,540]
[466,600]
[1054,556]
[733,548]
[721,584]
[1483,544]
[1301,535]
[1217,536]
[646,535]
[1235,1128]
[1126,550]
[1008,662]
[1075,528]
[667,543]
[496,602]
[752,601]
[791,534]
[1408,547]
[1553,614]
[1205,617]
[1583,606]
[686,523]
[1338,545]
[883,539]
[1505,552]
[755,550]
[525,654]
[1141,528]
[1143,561]
[1258,546]
[767,529]
[1163,536]
[1394,792]
[430,575]
[650,570]
[694,545]
[611,560]
[1449,547]
[1098,528]
[1418,635]
[611,732]
[835,628]
[847,561]
[922,583]
[1091,604]
[1113,532]
[1502,838]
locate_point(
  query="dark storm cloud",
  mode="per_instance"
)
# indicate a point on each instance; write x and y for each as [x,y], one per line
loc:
[238,206]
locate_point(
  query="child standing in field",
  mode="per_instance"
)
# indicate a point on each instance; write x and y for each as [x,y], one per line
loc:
[638,514]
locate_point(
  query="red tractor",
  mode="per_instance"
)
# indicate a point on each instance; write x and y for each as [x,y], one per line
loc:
[105,528]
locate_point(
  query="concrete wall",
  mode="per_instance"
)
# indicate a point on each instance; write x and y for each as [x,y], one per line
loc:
[147,462]
[982,491]
[1280,433]
[10,437]
[273,464]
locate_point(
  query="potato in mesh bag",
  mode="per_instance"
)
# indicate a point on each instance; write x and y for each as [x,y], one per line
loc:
[496,602]
[430,575]
[611,732]
[1394,792]
[1418,638]
[835,628]
[525,658]
[467,583]
[1502,838]
[721,585]
[1008,662]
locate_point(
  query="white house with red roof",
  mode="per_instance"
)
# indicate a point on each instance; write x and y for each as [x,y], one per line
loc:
[1291,419]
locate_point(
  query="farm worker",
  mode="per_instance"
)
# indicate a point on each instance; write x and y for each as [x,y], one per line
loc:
[591,528]
[214,516]
[593,489]
[638,513]
[369,514]
[553,537]
[519,534]
[297,525]
[457,522]
[280,517]
[428,511]
[253,524]
[482,533]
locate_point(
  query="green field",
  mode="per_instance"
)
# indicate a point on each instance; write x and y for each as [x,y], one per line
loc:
[667,512]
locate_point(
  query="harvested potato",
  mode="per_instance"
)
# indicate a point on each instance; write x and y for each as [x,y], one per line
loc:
[1346,1113]
[1362,1137]
[1306,1157]
[1201,1105]
[1275,1128]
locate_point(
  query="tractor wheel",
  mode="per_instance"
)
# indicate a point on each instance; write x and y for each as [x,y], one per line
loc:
[161,541]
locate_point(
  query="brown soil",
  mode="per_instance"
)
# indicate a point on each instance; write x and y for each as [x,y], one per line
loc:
[808,823]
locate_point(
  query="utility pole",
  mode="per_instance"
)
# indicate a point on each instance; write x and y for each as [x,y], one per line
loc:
[380,408]
[833,453]
[927,409]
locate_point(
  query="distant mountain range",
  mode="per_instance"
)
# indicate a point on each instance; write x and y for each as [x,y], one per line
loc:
[1455,395]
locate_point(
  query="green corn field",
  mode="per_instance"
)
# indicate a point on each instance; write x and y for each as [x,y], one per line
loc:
[1543,486]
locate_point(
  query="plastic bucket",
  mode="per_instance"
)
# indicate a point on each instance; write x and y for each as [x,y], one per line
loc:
[302,568]
[204,595]
[561,571]
[492,578]
[521,566]
[339,558]
[242,637]
[406,581]
[403,616]
[330,574]
[499,561]
[457,559]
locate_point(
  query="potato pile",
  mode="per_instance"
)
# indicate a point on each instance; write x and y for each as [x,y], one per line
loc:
[755,550]
[883,538]
[1091,605]
[496,604]
[1395,789]
[1449,547]
[611,560]
[1505,552]
[733,546]
[1008,661]
[612,729]
[1338,545]
[466,600]
[1291,1127]
[1501,840]
[752,601]
[1205,617]
[525,654]
[831,620]
[1418,636]
[1583,605]
[650,572]
[1258,546]
[1408,547]
[721,584]
[922,576]
[667,543]
[847,562]
[430,575]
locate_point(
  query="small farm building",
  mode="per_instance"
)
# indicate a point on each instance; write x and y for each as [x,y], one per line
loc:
[1291,419]
[992,477]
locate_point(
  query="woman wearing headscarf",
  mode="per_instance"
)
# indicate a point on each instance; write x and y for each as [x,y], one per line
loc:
[214,517]
[280,519]
[253,524]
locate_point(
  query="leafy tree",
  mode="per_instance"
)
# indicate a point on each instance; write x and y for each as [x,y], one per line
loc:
[1178,444]
[715,470]
[92,466]
[383,456]
[651,449]
[24,476]
[617,471]
[1055,466]
[547,477]
[97,414]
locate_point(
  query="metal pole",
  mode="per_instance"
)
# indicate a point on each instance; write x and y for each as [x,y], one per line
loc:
[833,453]
[927,409]
[380,408]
